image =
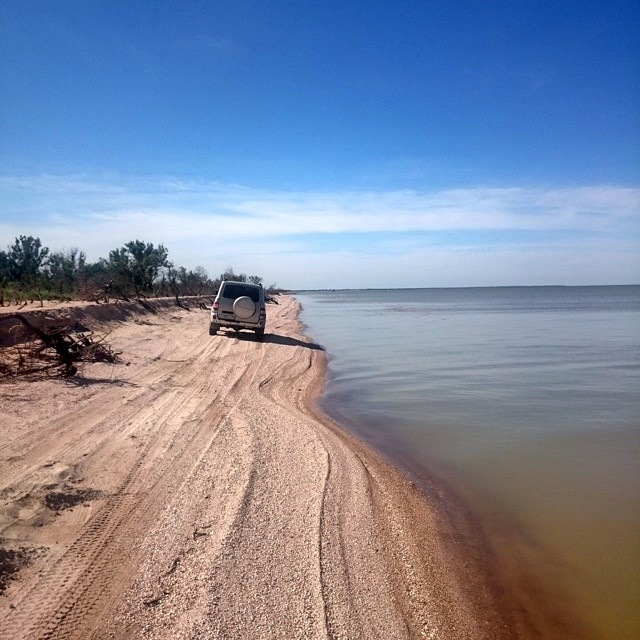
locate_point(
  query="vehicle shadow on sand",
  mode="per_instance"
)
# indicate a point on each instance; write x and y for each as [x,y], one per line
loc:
[273,338]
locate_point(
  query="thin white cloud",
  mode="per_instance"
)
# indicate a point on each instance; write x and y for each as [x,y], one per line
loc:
[197,207]
[447,237]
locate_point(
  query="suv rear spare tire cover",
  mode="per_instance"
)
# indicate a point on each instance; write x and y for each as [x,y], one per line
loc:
[244,307]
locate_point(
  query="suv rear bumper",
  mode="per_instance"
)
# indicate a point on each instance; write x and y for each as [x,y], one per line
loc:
[227,322]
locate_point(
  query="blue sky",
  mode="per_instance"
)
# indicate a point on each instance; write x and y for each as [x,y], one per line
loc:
[329,144]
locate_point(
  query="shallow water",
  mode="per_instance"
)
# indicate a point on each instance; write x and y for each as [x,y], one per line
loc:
[526,401]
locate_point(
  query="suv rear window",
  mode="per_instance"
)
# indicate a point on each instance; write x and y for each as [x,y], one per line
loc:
[237,290]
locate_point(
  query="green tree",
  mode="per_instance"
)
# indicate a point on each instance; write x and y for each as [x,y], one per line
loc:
[4,274]
[5,268]
[64,270]
[26,257]
[95,272]
[230,274]
[137,265]
[186,282]
[194,282]
[92,278]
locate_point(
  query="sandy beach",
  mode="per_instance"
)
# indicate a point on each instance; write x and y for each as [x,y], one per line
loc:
[193,490]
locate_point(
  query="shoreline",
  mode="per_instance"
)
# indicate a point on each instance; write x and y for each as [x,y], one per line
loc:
[466,550]
[502,554]
[214,498]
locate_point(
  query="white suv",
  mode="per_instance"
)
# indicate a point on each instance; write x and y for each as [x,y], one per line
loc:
[239,305]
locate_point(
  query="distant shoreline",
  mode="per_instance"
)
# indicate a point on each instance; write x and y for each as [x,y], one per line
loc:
[506,286]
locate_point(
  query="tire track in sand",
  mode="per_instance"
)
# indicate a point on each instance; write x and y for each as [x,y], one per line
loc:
[74,592]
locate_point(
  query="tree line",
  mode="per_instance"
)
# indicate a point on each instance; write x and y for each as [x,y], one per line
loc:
[29,270]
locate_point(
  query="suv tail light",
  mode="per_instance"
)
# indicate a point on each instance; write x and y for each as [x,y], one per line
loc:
[215,307]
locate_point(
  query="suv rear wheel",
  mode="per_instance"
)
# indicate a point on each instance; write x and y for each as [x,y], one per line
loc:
[213,329]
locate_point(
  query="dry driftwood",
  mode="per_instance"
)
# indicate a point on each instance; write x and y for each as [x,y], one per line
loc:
[58,350]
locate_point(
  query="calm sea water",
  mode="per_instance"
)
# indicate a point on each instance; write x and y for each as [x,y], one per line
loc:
[526,401]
